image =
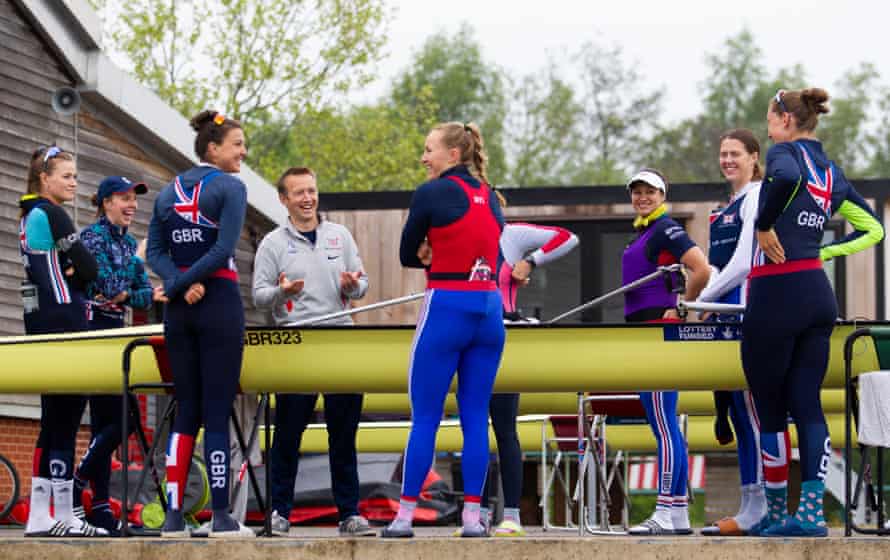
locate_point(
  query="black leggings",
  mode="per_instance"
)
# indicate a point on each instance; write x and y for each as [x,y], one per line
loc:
[785,344]
[504,407]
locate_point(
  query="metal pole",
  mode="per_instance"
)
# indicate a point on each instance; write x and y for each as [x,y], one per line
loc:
[662,270]
[707,307]
[347,312]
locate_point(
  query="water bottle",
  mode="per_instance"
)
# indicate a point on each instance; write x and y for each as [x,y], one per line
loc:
[481,271]
[30,299]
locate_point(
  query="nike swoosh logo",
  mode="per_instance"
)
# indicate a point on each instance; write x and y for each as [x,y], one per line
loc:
[332,258]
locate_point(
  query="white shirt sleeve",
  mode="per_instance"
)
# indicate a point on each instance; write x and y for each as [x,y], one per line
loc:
[736,270]
[517,240]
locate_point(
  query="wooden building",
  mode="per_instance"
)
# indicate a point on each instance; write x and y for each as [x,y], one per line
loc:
[121,128]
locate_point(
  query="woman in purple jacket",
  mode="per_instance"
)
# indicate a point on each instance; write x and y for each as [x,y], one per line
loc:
[660,241]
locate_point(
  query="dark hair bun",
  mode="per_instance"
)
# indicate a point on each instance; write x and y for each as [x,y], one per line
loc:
[815,99]
[94,200]
[201,119]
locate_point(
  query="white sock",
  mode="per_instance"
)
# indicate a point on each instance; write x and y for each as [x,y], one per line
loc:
[755,507]
[485,515]
[39,518]
[512,514]
[63,495]
[471,514]
[744,501]
[680,516]
[405,516]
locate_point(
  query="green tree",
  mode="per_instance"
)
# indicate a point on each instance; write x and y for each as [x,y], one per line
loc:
[736,95]
[363,148]
[879,139]
[251,58]
[844,129]
[543,141]
[465,86]
[616,116]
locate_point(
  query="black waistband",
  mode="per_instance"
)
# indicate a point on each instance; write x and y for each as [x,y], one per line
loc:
[449,275]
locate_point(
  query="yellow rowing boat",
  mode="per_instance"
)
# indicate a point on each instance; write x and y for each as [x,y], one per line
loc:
[696,403]
[539,358]
[391,437]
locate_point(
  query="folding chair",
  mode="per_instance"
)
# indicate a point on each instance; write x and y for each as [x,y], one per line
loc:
[866,403]
[560,446]
[156,343]
[596,478]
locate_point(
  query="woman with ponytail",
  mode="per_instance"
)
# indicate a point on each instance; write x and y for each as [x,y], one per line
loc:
[731,246]
[192,236]
[791,306]
[452,230]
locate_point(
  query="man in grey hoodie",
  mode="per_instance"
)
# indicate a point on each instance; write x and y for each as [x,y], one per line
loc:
[305,268]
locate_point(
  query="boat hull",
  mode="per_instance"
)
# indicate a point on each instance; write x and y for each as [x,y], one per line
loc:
[537,358]
[391,437]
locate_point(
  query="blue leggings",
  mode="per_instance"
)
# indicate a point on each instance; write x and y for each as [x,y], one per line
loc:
[785,344]
[673,461]
[205,346]
[463,332]
[743,414]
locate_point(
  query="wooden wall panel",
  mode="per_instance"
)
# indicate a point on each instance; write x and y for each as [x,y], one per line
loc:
[28,76]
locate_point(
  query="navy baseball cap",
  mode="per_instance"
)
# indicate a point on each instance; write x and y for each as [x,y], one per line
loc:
[117,184]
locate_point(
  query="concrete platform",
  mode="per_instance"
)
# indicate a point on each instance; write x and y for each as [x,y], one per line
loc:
[432,543]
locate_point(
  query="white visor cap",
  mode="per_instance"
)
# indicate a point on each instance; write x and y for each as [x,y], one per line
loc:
[650,178]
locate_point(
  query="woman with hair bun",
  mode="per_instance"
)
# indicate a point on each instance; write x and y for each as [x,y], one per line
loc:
[192,237]
[791,306]
[456,217]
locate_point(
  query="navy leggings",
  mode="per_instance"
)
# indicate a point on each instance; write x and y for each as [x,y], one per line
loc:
[293,412]
[785,345]
[503,408]
[59,421]
[105,424]
[60,415]
[205,346]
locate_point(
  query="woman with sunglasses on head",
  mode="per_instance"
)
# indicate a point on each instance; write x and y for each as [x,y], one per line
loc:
[121,282]
[661,241]
[730,253]
[57,269]
[460,327]
[791,306]
[194,230]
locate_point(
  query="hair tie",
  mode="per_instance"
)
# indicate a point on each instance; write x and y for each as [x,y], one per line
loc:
[219,119]
[467,128]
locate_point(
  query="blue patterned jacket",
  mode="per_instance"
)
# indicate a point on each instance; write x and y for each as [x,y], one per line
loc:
[120,269]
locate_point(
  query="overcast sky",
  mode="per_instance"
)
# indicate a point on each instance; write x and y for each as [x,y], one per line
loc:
[669,39]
